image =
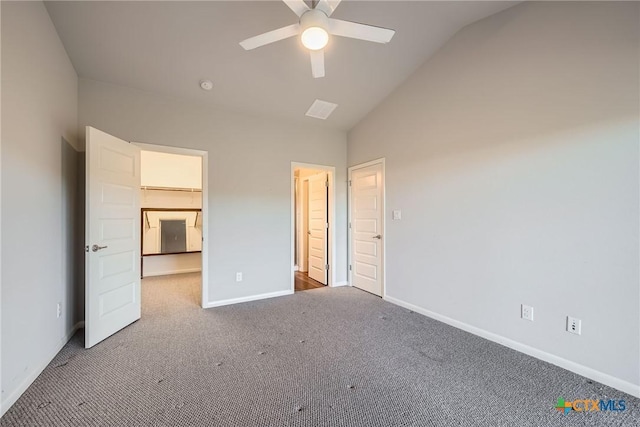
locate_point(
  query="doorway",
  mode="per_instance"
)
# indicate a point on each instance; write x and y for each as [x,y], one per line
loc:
[173,201]
[312,231]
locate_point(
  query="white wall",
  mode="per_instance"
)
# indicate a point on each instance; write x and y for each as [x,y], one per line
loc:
[172,264]
[39,176]
[249,178]
[170,199]
[170,170]
[513,155]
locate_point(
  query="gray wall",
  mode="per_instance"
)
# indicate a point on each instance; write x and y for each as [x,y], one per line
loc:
[513,155]
[249,178]
[39,116]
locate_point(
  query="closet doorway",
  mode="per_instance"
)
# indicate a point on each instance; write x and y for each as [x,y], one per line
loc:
[173,201]
[312,228]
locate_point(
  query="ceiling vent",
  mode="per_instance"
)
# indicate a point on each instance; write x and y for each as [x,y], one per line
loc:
[321,109]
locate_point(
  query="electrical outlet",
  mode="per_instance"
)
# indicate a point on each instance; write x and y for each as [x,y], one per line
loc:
[526,312]
[238,277]
[574,325]
[59,310]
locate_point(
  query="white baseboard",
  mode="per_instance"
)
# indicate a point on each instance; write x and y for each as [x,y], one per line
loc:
[24,385]
[585,371]
[211,304]
[338,284]
[169,272]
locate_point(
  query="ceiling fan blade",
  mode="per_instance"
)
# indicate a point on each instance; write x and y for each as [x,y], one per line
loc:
[354,30]
[271,36]
[317,63]
[328,6]
[298,6]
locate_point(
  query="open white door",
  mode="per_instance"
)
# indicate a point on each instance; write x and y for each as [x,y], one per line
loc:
[112,262]
[318,227]
[366,221]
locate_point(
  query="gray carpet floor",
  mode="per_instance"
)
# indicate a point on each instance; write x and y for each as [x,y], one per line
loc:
[323,357]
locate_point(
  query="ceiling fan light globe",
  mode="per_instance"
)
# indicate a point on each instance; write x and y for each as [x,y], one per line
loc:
[314,38]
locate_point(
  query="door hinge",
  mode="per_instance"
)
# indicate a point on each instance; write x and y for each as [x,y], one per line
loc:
[326,267]
[349,183]
[327,226]
[349,225]
[349,267]
[326,183]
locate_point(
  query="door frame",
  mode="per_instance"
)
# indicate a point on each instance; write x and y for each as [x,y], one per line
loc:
[383,270]
[331,207]
[204,303]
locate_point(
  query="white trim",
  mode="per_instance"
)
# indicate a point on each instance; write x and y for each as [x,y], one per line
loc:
[381,161]
[249,298]
[169,272]
[331,246]
[24,385]
[2,406]
[205,207]
[585,371]
[338,284]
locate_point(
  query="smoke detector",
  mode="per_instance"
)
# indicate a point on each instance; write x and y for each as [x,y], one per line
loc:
[206,84]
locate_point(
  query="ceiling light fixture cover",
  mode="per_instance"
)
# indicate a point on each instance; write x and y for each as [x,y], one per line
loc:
[314,38]
[321,109]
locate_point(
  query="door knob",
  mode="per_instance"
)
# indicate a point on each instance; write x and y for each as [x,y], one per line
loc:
[96,248]
[309,232]
[377,236]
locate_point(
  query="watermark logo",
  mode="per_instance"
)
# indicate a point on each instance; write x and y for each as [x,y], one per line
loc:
[563,406]
[590,405]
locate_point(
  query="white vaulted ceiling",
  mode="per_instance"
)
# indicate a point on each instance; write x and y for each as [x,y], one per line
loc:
[168,47]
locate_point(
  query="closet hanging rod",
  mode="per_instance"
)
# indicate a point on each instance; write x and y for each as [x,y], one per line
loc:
[187,190]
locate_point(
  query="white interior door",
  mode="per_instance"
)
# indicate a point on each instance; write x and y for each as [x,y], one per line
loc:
[367,208]
[112,283]
[318,227]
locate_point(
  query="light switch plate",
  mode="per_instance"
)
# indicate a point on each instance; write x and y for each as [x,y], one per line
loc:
[397,214]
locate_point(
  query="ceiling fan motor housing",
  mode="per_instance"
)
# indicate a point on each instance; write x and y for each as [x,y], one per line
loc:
[314,18]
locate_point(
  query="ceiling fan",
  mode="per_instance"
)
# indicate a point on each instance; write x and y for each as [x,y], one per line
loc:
[314,28]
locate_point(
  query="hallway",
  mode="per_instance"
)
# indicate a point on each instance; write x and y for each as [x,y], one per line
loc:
[303,282]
